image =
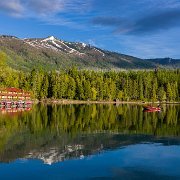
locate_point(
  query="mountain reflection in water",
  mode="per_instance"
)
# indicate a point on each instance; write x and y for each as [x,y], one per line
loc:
[61,132]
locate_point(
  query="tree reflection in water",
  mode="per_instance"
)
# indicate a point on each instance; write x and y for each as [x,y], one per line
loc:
[57,132]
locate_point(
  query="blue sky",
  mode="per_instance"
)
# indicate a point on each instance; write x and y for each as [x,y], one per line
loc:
[142,28]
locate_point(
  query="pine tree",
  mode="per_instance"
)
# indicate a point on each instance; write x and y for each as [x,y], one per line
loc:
[45,86]
[3,59]
[71,91]
[87,90]
[169,92]
[161,94]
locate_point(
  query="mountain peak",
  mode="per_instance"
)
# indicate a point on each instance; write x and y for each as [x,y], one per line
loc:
[50,38]
[54,53]
[8,36]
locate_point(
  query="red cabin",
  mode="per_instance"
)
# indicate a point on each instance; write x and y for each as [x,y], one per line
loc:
[14,94]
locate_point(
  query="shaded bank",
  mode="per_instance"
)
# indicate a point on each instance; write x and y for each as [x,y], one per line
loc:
[69,101]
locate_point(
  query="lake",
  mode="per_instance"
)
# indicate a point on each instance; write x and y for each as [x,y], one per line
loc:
[90,142]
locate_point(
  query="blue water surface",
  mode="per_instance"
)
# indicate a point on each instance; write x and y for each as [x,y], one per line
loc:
[140,161]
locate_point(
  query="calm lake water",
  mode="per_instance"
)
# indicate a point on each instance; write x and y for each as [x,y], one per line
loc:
[90,142]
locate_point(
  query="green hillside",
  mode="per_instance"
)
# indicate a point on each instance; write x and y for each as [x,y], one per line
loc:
[55,54]
[58,54]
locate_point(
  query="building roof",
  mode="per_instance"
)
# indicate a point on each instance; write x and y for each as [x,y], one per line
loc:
[13,89]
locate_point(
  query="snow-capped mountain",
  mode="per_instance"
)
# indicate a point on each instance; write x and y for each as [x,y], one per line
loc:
[53,53]
[54,44]
[58,45]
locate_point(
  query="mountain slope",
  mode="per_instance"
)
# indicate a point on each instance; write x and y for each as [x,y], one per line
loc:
[52,53]
[166,62]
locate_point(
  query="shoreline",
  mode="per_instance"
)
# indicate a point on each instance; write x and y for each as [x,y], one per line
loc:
[66,101]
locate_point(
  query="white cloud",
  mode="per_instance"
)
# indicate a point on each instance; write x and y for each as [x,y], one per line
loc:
[43,7]
[12,7]
[47,11]
[154,46]
[42,10]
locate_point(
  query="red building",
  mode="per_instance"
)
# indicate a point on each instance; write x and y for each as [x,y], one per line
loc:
[14,94]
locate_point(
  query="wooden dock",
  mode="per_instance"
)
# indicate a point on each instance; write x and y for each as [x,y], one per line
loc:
[19,104]
[14,97]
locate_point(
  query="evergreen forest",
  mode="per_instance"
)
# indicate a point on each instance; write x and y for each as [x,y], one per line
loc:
[74,84]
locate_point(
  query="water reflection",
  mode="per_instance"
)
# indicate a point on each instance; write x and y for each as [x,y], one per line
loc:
[61,132]
[13,111]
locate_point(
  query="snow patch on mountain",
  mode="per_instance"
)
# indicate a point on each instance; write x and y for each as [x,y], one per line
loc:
[97,50]
[58,45]
[51,38]
[54,44]
[84,45]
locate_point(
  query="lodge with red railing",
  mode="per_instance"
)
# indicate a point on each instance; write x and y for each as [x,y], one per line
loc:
[14,94]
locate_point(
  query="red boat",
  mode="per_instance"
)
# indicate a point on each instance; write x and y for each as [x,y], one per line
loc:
[152,109]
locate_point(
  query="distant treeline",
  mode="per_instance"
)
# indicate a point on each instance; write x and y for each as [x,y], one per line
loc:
[159,85]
